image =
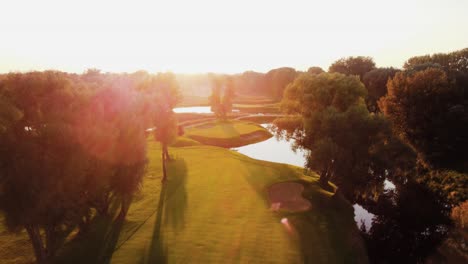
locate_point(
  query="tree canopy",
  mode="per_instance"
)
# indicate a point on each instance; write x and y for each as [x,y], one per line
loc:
[65,149]
[359,66]
[428,111]
[345,142]
[376,85]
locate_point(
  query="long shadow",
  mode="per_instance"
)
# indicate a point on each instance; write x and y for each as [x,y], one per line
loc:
[171,208]
[95,246]
[176,196]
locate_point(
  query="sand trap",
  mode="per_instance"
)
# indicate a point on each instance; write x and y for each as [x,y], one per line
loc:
[288,196]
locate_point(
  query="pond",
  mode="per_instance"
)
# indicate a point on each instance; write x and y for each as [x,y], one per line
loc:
[194,109]
[274,150]
[197,110]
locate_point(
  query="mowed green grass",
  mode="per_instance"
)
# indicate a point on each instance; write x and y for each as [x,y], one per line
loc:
[214,209]
[227,133]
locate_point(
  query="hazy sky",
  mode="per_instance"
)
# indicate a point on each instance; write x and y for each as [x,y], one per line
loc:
[223,36]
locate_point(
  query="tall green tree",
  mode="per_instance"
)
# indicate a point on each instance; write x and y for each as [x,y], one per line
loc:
[359,66]
[345,143]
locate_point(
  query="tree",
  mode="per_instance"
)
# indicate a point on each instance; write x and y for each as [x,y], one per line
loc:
[456,61]
[315,70]
[222,95]
[110,127]
[428,111]
[163,91]
[376,85]
[64,150]
[42,176]
[278,79]
[250,83]
[359,66]
[228,95]
[345,142]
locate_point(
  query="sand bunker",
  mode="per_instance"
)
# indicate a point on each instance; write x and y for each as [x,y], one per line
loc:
[288,196]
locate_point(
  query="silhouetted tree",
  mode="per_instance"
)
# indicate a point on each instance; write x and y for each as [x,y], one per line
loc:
[376,85]
[163,91]
[43,170]
[222,95]
[111,128]
[278,79]
[353,66]
[315,70]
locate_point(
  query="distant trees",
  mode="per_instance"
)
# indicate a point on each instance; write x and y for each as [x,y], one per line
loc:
[359,66]
[163,93]
[346,143]
[222,96]
[277,79]
[376,85]
[315,70]
[63,153]
[250,83]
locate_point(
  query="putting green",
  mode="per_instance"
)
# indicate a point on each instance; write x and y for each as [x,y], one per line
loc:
[228,133]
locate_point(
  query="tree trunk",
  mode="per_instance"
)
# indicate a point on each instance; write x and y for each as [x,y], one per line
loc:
[51,242]
[124,206]
[166,153]
[38,246]
[83,226]
[163,167]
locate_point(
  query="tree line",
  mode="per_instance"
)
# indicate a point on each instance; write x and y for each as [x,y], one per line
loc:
[361,125]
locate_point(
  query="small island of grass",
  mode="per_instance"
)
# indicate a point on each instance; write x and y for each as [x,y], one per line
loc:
[227,133]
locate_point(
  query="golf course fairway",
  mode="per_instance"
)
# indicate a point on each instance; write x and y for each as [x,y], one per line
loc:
[215,208]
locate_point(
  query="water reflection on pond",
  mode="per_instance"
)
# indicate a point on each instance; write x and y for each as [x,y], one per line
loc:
[197,110]
[275,150]
[193,109]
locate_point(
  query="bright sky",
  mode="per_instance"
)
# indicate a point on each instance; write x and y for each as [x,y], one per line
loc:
[223,36]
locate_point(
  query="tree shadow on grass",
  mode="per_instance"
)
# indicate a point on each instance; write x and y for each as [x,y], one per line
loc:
[95,246]
[171,208]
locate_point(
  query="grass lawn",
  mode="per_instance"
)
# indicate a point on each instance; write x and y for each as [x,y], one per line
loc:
[231,133]
[213,209]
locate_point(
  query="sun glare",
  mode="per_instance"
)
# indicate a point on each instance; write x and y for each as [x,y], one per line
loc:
[204,36]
